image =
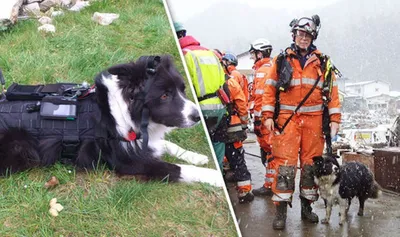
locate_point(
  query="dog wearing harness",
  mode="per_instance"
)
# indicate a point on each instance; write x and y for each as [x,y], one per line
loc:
[120,122]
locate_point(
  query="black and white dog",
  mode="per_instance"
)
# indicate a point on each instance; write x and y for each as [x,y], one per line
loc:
[340,184]
[137,104]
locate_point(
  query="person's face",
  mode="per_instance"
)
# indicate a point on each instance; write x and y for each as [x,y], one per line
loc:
[303,39]
[253,56]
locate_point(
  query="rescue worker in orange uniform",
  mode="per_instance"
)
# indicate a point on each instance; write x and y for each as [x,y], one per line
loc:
[236,132]
[303,136]
[230,69]
[260,51]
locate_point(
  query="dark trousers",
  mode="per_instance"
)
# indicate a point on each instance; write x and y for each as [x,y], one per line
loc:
[237,163]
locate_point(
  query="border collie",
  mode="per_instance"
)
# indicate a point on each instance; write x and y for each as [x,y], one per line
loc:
[137,104]
[340,184]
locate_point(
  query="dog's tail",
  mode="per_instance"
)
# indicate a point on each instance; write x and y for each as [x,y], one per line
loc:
[375,191]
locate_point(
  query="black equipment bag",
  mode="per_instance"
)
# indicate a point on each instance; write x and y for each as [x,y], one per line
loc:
[70,128]
[35,92]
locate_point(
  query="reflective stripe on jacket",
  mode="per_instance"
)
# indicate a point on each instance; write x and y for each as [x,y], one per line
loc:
[303,80]
[207,76]
[262,68]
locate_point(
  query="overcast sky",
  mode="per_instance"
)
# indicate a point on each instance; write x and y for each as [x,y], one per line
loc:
[361,36]
[182,10]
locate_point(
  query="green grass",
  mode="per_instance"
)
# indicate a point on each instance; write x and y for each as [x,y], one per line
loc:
[98,203]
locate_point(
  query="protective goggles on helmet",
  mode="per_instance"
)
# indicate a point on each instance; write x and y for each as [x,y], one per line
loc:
[305,24]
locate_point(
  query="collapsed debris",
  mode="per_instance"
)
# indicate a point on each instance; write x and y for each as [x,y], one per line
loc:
[13,10]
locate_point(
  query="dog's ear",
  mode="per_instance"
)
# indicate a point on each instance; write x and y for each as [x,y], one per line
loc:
[318,160]
[167,60]
[334,160]
[126,69]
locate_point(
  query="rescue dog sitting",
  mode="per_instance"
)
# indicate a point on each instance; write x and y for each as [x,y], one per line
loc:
[340,184]
[121,125]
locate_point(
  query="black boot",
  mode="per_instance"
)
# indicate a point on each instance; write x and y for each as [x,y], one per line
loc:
[306,211]
[262,191]
[280,217]
[245,197]
[229,176]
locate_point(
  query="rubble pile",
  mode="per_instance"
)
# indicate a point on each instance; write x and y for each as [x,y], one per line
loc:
[364,131]
[44,10]
[363,120]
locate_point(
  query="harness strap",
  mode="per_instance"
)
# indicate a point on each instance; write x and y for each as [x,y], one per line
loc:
[70,141]
[298,106]
[143,128]
[152,62]
[207,96]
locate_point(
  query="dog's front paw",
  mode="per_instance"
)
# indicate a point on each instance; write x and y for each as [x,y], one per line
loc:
[214,178]
[194,158]
[325,221]
[191,173]
[199,159]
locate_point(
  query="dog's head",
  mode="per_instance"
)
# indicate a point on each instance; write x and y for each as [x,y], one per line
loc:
[152,83]
[325,166]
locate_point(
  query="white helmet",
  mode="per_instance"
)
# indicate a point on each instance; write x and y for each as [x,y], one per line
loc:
[260,45]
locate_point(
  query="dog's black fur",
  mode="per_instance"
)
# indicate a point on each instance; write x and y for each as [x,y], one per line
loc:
[340,184]
[165,101]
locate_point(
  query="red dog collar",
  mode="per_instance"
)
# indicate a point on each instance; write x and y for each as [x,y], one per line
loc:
[131,136]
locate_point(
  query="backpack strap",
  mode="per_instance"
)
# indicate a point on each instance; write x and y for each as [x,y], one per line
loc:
[207,96]
[327,85]
[329,69]
[282,56]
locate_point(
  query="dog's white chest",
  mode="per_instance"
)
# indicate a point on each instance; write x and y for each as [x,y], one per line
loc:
[326,188]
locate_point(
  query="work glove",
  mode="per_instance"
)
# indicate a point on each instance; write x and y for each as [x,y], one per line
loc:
[257,128]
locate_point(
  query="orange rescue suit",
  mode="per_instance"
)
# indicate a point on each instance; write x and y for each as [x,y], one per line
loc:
[238,120]
[303,136]
[235,74]
[262,68]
